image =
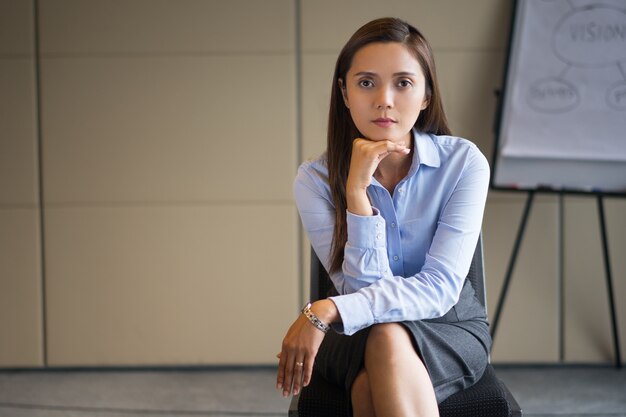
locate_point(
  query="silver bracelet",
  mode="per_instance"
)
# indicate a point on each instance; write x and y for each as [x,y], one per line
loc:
[314,319]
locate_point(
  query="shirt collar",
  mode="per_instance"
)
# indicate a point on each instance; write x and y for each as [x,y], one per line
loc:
[424,152]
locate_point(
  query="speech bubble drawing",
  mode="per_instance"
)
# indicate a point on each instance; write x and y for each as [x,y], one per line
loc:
[616,96]
[591,36]
[552,95]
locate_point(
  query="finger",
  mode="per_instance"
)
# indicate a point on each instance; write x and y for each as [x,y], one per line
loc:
[308,372]
[288,381]
[380,150]
[297,376]
[391,146]
[280,378]
[396,147]
[404,151]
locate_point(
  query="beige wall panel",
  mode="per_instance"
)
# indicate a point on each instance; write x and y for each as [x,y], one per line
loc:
[588,326]
[528,328]
[18,138]
[317,77]
[170,284]
[615,212]
[170,129]
[21,342]
[468,81]
[20,289]
[16,27]
[327,24]
[166,26]
[306,267]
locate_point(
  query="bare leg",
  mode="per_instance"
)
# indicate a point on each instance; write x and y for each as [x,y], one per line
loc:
[362,405]
[398,380]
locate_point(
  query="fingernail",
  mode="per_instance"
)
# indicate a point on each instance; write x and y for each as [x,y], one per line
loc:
[285,394]
[279,387]
[296,391]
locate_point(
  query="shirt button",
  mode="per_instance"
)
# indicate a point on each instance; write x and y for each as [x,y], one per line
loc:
[393,225]
[395,258]
[401,190]
[379,236]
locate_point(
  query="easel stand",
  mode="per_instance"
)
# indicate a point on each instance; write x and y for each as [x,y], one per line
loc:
[607,269]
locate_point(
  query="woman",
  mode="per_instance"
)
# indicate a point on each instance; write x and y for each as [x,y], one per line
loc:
[393,210]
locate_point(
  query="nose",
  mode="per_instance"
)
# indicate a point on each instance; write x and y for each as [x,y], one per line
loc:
[384,100]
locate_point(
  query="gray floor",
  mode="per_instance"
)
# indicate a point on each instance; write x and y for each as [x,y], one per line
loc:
[541,391]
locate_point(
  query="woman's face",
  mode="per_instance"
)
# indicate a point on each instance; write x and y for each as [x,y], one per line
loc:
[385,91]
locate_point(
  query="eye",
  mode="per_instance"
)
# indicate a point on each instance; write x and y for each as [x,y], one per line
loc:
[405,83]
[366,83]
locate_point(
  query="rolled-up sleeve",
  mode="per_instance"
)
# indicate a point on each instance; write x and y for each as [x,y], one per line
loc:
[365,254]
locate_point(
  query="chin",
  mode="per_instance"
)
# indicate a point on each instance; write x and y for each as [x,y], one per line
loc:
[378,134]
[381,136]
[375,138]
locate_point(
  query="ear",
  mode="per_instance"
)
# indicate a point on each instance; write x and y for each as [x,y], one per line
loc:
[425,103]
[344,93]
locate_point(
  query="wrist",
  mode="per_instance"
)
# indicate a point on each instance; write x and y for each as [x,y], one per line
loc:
[314,320]
[355,189]
[325,310]
[357,202]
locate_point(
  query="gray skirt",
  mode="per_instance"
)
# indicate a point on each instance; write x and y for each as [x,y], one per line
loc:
[454,348]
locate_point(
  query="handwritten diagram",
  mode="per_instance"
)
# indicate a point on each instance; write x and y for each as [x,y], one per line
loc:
[565,93]
[586,38]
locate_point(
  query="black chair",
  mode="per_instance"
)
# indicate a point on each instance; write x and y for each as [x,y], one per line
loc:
[489,397]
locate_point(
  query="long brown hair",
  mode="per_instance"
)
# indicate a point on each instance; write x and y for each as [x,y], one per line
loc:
[342,130]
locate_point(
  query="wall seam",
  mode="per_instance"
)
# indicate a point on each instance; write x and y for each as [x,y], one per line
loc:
[167,54]
[37,62]
[299,145]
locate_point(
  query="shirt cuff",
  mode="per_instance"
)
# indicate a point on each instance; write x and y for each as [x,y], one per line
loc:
[355,312]
[366,231]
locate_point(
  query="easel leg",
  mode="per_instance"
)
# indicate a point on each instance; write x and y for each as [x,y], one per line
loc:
[513,259]
[561,278]
[609,282]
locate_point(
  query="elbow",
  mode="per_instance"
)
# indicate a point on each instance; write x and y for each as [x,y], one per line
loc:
[445,306]
[448,295]
[351,285]
[345,285]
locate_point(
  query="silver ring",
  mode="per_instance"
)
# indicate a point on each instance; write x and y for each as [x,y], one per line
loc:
[299,363]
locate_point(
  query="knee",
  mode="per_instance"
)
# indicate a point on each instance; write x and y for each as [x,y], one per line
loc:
[389,336]
[388,341]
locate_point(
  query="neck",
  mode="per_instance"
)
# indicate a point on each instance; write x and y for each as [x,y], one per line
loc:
[394,166]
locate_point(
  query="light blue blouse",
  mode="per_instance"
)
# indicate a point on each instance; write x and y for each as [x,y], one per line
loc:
[409,260]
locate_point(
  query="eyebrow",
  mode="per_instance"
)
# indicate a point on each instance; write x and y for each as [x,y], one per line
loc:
[373,74]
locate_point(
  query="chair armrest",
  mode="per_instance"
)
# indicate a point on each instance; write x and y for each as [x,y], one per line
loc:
[293,406]
[516,410]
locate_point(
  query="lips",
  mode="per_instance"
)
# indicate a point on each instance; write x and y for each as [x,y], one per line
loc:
[384,122]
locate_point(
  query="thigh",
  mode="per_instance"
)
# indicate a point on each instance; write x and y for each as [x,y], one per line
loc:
[454,356]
